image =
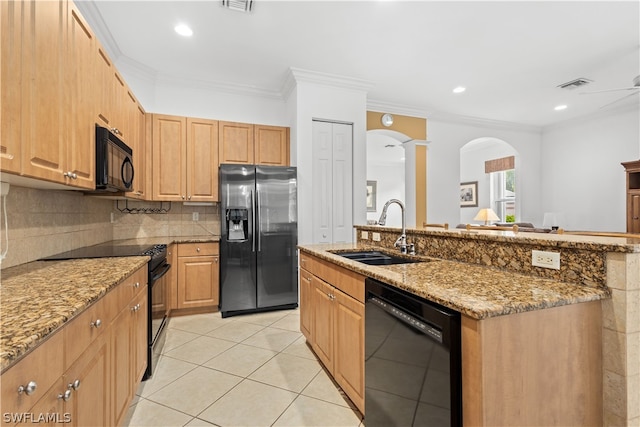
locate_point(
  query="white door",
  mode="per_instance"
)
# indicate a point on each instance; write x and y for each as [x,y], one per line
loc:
[332,182]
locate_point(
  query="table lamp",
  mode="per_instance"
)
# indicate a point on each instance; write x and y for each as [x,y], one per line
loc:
[486,215]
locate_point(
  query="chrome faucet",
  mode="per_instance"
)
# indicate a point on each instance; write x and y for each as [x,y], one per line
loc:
[402,240]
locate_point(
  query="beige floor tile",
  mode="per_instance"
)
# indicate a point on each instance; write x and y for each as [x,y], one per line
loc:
[322,387]
[249,404]
[195,391]
[235,331]
[241,360]
[175,338]
[307,411]
[286,371]
[266,318]
[167,371]
[272,339]
[196,422]
[300,348]
[290,322]
[200,349]
[197,324]
[149,413]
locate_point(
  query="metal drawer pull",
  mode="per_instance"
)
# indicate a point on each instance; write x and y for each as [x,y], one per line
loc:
[28,389]
[136,285]
[74,385]
[65,396]
[96,324]
[135,307]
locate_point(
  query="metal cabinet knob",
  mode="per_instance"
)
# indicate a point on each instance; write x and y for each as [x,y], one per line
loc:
[65,396]
[74,385]
[197,249]
[96,324]
[308,279]
[189,197]
[182,197]
[135,307]
[136,285]
[28,389]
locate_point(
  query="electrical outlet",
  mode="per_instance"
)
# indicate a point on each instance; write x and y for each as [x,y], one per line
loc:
[5,188]
[545,259]
[195,216]
[376,236]
[364,235]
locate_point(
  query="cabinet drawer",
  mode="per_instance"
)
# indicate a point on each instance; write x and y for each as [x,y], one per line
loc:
[43,366]
[131,287]
[198,249]
[84,329]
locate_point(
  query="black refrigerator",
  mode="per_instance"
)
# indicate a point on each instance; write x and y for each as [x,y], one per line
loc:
[258,238]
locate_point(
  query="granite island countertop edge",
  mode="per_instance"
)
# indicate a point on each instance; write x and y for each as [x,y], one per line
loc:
[476,291]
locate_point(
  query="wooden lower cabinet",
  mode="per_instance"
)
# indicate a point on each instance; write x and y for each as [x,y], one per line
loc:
[198,275]
[86,373]
[332,313]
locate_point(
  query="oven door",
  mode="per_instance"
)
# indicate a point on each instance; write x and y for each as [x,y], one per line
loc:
[158,285]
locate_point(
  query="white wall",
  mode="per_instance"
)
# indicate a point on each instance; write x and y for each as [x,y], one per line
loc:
[583,178]
[443,167]
[472,159]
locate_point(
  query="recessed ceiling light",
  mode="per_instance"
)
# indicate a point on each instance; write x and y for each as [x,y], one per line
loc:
[459,89]
[560,107]
[183,30]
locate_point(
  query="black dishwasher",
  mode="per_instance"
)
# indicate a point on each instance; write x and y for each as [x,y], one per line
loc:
[412,360]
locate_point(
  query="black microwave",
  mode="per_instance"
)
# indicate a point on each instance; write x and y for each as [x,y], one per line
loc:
[114,162]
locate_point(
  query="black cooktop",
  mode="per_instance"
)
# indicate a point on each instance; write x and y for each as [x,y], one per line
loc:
[108,250]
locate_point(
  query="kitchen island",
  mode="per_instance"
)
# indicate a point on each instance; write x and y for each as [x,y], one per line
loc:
[530,338]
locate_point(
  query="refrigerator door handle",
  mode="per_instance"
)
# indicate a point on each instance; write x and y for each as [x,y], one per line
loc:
[259,218]
[253,225]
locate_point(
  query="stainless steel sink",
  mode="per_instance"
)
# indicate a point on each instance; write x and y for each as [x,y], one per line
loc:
[376,258]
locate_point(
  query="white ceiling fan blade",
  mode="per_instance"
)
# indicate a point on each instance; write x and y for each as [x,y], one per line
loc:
[619,99]
[611,90]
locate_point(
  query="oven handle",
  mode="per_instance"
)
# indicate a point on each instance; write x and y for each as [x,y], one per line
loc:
[164,271]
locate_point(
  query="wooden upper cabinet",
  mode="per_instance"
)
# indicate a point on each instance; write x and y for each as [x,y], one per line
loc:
[141,163]
[43,93]
[103,98]
[245,143]
[169,157]
[11,48]
[236,142]
[80,125]
[271,145]
[202,160]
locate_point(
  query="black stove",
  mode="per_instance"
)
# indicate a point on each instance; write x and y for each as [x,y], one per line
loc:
[106,250]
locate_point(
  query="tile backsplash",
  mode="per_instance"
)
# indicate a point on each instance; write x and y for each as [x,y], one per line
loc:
[46,222]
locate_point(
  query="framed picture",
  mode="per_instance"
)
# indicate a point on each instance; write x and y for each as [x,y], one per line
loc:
[371,195]
[469,194]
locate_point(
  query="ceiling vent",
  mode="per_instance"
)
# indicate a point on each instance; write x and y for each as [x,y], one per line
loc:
[239,5]
[575,83]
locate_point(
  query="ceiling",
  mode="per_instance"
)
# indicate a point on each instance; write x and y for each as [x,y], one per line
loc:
[510,55]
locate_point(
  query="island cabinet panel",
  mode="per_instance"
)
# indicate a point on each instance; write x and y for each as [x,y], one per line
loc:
[332,320]
[541,367]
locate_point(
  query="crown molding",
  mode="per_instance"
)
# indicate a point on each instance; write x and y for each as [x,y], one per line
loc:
[90,12]
[298,75]
[235,89]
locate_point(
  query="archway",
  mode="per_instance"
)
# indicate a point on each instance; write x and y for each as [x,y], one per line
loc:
[478,158]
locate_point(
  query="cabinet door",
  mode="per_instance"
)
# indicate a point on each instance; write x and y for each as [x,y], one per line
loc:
[103,98]
[306,307]
[634,214]
[121,379]
[198,279]
[43,113]
[172,280]
[322,302]
[10,85]
[50,404]
[169,158]
[80,126]
[89,401]
[139,336]
[236,142]
[139,147]
[202,160]
[271,145]
[349,347]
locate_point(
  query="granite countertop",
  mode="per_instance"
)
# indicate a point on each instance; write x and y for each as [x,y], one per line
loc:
[476,291]
[37,298]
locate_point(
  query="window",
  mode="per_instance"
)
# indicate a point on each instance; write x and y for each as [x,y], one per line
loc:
[503,194]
